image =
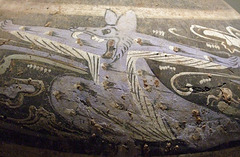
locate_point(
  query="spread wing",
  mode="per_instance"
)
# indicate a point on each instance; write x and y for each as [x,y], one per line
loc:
[59,41]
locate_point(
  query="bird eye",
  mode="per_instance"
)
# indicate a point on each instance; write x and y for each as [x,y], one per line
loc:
[106,31]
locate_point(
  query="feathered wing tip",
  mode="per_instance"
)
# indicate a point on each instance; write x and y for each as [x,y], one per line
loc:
[5,24]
